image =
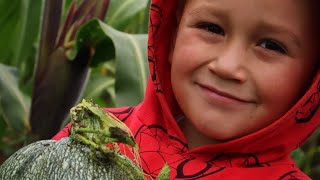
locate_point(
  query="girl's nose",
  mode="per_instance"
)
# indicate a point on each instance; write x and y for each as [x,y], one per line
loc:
[230,64]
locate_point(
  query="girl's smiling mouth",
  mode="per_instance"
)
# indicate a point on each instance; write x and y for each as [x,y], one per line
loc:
[217,96]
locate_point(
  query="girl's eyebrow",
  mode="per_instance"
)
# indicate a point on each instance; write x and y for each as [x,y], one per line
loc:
[209,10]
[279,29]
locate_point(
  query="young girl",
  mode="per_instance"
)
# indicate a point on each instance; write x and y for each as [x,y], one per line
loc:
[233,89]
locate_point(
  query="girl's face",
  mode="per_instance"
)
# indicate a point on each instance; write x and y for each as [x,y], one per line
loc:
[237,66]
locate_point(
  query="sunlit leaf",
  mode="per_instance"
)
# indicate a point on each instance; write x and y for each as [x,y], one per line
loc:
[132,70]
[124,12]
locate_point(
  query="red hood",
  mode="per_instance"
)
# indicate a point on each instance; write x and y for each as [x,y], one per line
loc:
[283,136]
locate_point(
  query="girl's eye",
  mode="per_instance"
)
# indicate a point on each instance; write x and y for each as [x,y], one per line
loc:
[273,46]
[212,28]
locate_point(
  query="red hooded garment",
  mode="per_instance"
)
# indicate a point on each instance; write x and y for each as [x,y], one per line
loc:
[264,154]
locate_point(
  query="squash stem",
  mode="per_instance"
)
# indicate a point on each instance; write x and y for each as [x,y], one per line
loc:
[129,168]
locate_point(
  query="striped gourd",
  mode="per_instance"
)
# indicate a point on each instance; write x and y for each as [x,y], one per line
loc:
[82,155]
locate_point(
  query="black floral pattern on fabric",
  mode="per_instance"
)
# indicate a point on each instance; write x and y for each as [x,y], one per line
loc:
[171,150]
[124,114]
[206,171]
[154,27]
[309,108]
[251,160]
[163,147]
[154,24]
[153,65]
[291,175]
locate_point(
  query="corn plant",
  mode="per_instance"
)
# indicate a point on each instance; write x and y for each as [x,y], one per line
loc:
[57,52]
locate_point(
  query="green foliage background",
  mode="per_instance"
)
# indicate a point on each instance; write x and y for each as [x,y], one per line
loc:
[121,54]
[119,64]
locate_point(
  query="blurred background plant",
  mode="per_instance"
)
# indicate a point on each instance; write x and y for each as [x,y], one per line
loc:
[54,53]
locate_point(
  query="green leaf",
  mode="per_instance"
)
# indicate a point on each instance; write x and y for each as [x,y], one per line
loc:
[298,156]
[131,69]
[91,36]
[101,90]
[14,106]
[129,51]
[138,24]
[20,22]
[3,126]
[164,173]
[9,22]
[123,12]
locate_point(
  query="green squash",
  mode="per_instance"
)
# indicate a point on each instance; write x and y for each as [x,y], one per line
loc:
[81,156]
[63,159]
